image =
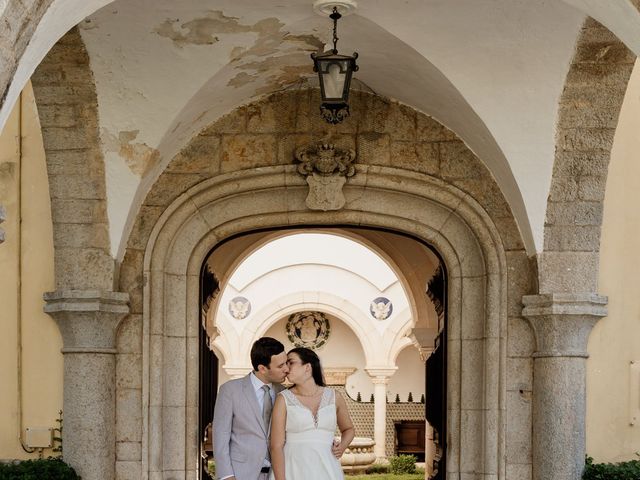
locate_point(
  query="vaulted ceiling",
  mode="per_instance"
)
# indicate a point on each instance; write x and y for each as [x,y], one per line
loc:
[490,70]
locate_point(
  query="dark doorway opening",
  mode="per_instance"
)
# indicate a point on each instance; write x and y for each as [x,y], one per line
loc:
[208,378]
[436,381]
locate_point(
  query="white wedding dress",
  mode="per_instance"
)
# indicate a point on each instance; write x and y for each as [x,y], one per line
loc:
[308,442]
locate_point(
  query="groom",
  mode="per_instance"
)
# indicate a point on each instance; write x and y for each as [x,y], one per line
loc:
[242,415]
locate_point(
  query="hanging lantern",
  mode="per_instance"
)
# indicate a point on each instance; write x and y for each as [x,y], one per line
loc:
[334,73]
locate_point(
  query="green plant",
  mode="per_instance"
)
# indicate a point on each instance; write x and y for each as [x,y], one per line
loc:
[57,434]
[43,469]
[611,471]
[402,464]
[377,468]
[386,476]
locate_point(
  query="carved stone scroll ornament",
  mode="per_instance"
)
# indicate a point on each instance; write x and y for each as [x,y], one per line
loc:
[326,169]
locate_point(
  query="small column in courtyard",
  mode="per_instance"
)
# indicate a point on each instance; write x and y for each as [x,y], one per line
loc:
[380,379]
[236,372]
[88,321]
[561,324]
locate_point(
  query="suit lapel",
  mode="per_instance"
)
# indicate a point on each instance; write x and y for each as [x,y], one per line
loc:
[250,393]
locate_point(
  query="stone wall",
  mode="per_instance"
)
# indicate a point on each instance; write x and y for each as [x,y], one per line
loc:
[67,105]
[19,20]
[384,134]
[587,120]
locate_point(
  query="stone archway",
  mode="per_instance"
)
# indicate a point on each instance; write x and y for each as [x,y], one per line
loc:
[409,202]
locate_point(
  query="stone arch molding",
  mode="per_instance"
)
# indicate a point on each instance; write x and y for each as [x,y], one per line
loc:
[270,197]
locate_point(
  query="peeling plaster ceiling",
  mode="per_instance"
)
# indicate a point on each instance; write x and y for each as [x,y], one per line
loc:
[491,70]
[165,71]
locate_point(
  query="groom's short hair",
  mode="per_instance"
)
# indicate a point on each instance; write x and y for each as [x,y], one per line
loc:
[262,351]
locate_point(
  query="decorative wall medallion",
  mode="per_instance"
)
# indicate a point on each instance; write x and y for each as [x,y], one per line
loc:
[326,169]
[239,308]
[308,329]
[381,308]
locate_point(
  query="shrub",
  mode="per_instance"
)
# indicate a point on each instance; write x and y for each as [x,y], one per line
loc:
[377,468]
[611,471]
[45,469]
[402,464]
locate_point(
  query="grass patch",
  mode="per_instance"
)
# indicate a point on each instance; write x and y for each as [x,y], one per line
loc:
[373,473]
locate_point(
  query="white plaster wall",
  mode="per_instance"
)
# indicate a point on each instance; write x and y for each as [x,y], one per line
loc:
[330,273]
[309,268]
[410,376]
[314,248]
[613,393]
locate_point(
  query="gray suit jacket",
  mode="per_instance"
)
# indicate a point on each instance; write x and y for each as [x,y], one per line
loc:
[240,438]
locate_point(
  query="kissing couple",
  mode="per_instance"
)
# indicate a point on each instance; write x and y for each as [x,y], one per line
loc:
[262,431]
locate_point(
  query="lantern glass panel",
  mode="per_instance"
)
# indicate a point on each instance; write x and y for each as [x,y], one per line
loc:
[334,76]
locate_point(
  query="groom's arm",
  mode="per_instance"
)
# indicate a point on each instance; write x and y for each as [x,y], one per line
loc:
[222,424]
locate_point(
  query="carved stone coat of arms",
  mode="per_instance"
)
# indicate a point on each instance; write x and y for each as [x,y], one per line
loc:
[326,169]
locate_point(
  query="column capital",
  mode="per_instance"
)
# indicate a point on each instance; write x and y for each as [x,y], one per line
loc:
[87,319]
[425,353]
[562,321]
[380,374]
[237,371]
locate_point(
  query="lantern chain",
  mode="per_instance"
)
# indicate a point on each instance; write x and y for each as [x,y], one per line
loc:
[335,15]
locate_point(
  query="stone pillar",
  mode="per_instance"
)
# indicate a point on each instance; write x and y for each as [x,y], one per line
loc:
[88,320]
[380,379]
[561,324]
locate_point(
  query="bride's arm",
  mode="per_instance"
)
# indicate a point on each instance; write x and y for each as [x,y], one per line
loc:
[347,432]
[278,424]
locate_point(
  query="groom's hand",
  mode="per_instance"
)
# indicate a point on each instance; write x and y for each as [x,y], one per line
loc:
[337,449]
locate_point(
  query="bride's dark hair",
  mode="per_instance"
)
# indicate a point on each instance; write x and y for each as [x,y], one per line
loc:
[309,356]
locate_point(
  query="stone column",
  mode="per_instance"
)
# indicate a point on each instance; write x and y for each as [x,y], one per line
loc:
[561,324]
[380,379]
[88,320]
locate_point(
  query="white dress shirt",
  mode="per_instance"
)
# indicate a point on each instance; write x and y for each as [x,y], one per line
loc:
[257,387]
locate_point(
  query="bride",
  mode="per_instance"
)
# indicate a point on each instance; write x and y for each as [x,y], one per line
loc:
[304,421]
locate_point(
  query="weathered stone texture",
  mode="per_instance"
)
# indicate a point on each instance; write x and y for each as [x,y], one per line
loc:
[267,133]
[382,132]
[22,17]
[587,118]
[67,104]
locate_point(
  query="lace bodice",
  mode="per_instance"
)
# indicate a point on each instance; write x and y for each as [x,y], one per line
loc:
[309,438]
[324,418]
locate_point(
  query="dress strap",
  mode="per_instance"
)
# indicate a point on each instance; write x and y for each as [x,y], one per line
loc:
[289,398]
[328,397]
